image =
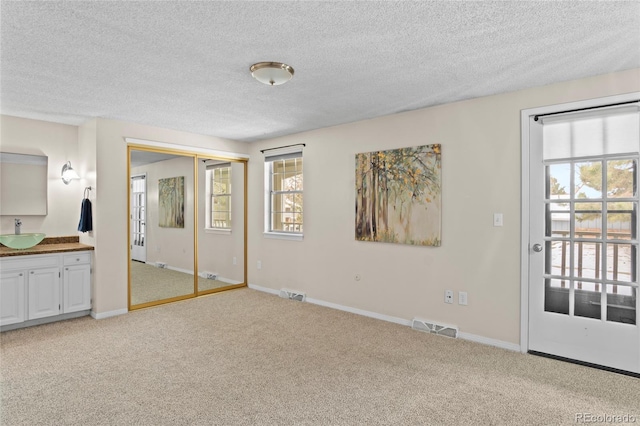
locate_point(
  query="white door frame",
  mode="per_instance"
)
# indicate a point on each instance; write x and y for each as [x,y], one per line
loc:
[525,173]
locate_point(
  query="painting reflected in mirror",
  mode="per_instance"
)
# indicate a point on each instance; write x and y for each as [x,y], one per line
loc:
[162,226]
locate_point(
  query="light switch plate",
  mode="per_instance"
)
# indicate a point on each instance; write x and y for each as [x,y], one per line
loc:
[497,219]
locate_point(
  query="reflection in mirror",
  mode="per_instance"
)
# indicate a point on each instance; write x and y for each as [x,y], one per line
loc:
[161,227]
[221,224]
[23,184]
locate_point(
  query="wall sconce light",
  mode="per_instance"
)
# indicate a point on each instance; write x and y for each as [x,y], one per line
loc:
[68,173]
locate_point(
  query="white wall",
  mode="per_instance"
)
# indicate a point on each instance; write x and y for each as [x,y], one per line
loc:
[59,142]
[87,171]
[481,175]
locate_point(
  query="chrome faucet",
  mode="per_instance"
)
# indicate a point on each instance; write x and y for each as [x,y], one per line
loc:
[18,225]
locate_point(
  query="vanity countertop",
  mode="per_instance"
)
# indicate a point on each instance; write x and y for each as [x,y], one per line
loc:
[47,246]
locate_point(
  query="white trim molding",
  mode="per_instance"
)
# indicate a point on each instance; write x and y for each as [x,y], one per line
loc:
[490,342]
[283,236]
[192,149]
[362,312]
[108,314]
[264,289]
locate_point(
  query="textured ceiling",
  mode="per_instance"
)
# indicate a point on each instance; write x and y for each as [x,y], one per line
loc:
[185,65]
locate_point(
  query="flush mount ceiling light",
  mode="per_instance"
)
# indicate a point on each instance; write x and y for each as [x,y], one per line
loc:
[68,173]
[271,73]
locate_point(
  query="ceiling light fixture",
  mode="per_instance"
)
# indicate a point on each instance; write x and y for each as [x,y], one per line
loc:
[68,173]
[271,73]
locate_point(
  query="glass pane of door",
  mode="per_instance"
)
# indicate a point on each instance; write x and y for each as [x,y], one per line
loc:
[591,242]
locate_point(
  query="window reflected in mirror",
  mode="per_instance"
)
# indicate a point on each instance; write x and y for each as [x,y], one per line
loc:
[221,239]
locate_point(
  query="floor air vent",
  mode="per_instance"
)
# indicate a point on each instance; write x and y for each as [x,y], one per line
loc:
[434,328]
[293,295]
[208,275]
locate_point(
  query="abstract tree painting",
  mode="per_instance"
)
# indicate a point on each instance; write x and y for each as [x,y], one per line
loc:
[398,196]
[171,202]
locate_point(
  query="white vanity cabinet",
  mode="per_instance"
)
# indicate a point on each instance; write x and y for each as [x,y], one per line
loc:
[76,273]
[12,301]
[35,289]
[43,293]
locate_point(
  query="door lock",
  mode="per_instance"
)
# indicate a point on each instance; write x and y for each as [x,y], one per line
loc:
[537,248]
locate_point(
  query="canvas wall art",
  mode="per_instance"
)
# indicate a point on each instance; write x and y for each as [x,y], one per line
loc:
[171,202]
[398,196]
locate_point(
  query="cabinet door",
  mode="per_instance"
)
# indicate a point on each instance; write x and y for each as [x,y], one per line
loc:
[77,288]
[44,292]
[12,297]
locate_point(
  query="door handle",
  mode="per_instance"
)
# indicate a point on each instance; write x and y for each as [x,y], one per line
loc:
[537,248]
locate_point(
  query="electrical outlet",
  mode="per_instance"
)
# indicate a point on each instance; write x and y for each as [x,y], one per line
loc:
[259,264]
[497,219]
[448,296]
[462,298]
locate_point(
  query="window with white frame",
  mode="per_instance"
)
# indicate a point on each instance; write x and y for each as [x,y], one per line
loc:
[219,196]
[284,185]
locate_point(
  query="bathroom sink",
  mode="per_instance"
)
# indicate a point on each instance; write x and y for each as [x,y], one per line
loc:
[21,241]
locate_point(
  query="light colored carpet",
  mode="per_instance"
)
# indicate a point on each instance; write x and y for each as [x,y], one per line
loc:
[149,283]
[243,357]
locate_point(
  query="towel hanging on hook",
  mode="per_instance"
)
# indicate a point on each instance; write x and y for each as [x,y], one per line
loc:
[86,219]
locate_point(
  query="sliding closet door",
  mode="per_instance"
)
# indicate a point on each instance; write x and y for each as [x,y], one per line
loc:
[221,224]
[167,272]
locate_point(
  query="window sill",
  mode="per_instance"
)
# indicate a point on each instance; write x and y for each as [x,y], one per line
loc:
[217,231]
[283,236]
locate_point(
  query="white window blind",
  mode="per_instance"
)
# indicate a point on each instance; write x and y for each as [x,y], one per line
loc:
[595,132]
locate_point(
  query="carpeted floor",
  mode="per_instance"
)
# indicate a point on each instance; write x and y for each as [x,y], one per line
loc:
[149,283]
[248,358]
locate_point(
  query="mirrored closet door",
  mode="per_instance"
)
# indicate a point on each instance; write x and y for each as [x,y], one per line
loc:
[221,224]
[186,214]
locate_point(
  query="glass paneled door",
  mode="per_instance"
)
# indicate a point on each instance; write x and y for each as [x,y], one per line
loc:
[583,254]
[138,217]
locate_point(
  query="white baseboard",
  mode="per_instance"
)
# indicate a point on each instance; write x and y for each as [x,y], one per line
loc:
[190,272]
[462,335]
[228,280]
[488,341]
[331,305]
[264,289]
[103,315]
[357,311]
[173,268]
[184,271]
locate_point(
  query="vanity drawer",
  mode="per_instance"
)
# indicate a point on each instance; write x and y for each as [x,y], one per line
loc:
[29,262]
[77,258]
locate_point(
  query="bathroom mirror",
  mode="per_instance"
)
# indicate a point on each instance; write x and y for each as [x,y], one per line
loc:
[162,221]
[221,224]
[23,184]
